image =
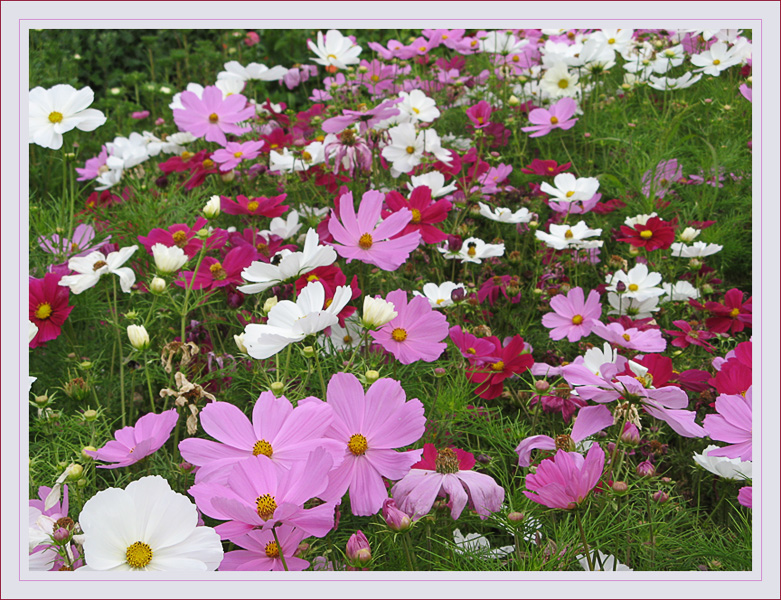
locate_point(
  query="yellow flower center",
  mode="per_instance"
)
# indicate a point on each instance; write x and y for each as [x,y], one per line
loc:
[44,311]
[626,337]
[570,193]
[415,110]
[207,163]
[440,301]
[715,62]
[563,83]
[577,319]
[568,235]
[410,149]
[312,277]
[262,447]
[399,334]
[471,351]
[138,555]
[218,272]
[187,155]
[348,339]
[357,444]
[306,156]
[180,238]
[365,241]
[238,154]
[415,215]
[446,461]
[55,117]
[99,265]
[633,287]
[646,234]
[471,249]
[266,505]
[272,550]
[554,120]
[422,48]
[214,117]
[734,312]
[611,41]
[564,442]
[252,206]
[375,78]
[497,366]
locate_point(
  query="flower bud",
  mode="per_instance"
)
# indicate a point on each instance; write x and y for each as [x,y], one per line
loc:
[695,263]
[440,372]
[707,288]
[308,351]
[513,100]
[168,259]
[42,400]
[74,472]
[661,497]
[458,294]
[239,340]
[377,312]
[395,518]
[278,388]
[541,385]
[689,234]
[77,389]
[646,469]
[138,337]
[630,435]
[90,415]
[620,487]
[371,376]
[358,549]
[515,517]
[202,234]
[634,251]
[620,287]
[157,285]
[61,534]
[87,449]
[269,304]
[212,207]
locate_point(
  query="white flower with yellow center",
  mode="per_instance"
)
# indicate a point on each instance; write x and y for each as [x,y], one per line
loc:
[681,291]
[57,110]
[728,468]
[674,83]
[558,82]
[168,259]
[696,250]
[440,296]
[90,268]
[416,107]
[637,283]
[334,50]
[570,236]
[435,181]
[569,188]
[473,250]
[505,215]
[146,527]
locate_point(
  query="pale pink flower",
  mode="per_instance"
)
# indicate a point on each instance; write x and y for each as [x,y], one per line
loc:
[566,480]
[211,116]
[573,317]
[134,443]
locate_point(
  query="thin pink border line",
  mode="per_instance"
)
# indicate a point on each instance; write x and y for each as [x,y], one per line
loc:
[19,327]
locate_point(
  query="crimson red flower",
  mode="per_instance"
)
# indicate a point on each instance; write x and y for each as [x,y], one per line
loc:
[735,376]
[260,206]
[199,165]
[213,274]
[498,284]
[732,316]
[331,277]
[182,235]
[689,337]
[424,213]
[511,360]
[48,307]
[655,234]
[547,168]
[265,245]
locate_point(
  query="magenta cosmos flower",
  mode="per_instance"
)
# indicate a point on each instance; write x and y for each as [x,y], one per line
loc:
[48,307]
[416,333]
[213,274]
[262,553]
[650,340]
[234,152]
[211,116]
[282,433]
[360,236]
[745,496]
[565,481]
[424,213]
[370,426]
[558,116]
[136,442]
[260,206]
[183,236]
[480,114]
[590,420]
[732,424]
[687,336]
[260,496]
[573,317]
[447,473]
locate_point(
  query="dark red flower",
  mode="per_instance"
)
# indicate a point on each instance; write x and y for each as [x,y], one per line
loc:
[498,284]
[547,168]
[424,213]
[260,206]
[688,336]
[512,360]
[184,236]
[48,307]
[266,246]
[213,274]
[654,235]
[733,316]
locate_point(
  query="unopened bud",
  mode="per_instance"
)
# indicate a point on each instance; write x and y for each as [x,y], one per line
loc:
[90,415]
[633,251]
[358,550]
[269,304]
[43,399]
[661,497]
[515,517]
[138,336]
[228,177]
[371,376]
[440,372]
[541,385]
[646,469]
[202,234]
[513,100]
[86,449]
[620,287]
[396,519]
[630,435]
[620,487]
[213,207]
[278,388]
[308,351]
[239,340]
[157,285]
[75,472]
[61,534]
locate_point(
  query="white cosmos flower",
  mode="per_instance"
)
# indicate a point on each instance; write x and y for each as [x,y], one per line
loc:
[715,59]
[668,58]
[230,85]
[169,259]
[342,338]
[473,250]
[32,331]
[680,291]
[334,50]
[696,250]
[689,234]
[638,220]
[90,268]
[602,562]
[435,181]
[146,527]
[57,110]
[728,468]
[618,40]
[284,228]
[570,236]
[41,528]
[416,107]
[108,179]
[290,322]
[558,82]
[502,42]
[505,215]
[570,188]
[406,147]
[638,282]
[377,312]
[476,544]
[674,83]
[637,309]
[594,358]
[264,275]
[127,152]
[252,71]
[439,296]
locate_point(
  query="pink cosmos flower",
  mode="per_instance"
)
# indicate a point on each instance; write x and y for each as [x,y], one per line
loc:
[234,153]
[667,172]
[92,168]
[447,473]
[479,351]
[277,430]
[139,114]
[650,340]
[80,242]
[211,116]
[366,119]
[590,420]
[184,237]
[261,552]
[260,496]
[745,496]
[363,238]
[496,285]
[480,114]
[747,94]
[213,274]
[732,424]
[558,116]
[260,206]
[424,211]
[133,443]
[688,336]
[566,480]
[371,426]
[573,317]
[416,333]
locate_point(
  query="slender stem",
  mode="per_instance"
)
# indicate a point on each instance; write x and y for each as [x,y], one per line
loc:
[319,371]
[650,524]
[589,559]
[279,548]
[189,288]
[149,387]
[407,551]
[115,319]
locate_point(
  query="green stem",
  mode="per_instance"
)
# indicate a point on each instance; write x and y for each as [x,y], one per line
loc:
[279,548]
[189,288]
[149,387]
[589,559]
[407,543]
[115,318]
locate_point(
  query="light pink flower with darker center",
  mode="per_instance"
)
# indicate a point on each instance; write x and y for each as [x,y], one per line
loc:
[362,237]
[558,116]
[566,480]
[136,442]
[732,424]
[371,426]
[261,552]
[211,116]
[573,317]
[235,152]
